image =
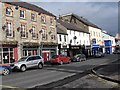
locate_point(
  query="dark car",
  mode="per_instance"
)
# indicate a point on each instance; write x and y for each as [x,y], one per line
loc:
[79,57]
[99,54]
[60,59]
[5,69]
[116,52]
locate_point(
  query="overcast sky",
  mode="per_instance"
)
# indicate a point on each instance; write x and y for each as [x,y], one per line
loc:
[103,14]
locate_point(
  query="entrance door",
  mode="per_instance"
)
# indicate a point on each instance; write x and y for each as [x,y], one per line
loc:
[46,56]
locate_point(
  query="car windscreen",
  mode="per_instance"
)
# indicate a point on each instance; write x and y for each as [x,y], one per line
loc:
[22,59]
[55,56]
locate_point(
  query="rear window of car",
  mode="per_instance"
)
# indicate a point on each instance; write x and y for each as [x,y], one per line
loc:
[55,56]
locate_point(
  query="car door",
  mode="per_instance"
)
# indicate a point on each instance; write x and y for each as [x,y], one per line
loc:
[29,62]
[36,60]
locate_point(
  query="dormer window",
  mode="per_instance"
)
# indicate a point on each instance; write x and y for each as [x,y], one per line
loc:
[22,13]
[9,11]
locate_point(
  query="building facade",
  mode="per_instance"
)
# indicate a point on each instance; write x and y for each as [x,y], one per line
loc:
[26,30]
[94,30]
[108,42]
[63,43]
[78,39]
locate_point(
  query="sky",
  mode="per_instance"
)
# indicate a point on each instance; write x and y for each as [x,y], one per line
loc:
[103,14]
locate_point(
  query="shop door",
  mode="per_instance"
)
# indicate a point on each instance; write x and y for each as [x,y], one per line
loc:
[46,56]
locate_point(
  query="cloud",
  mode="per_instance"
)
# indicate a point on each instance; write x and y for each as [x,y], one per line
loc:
[103,14]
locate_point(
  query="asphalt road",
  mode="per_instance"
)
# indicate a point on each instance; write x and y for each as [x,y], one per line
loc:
[52,73]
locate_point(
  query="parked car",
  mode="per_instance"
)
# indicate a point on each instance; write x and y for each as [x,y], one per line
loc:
[99,54]
[116,52]
[79,57]
[5,69]
[60,59]
[28,62]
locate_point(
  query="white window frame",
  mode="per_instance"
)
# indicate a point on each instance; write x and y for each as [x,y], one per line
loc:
[23,13]
[10,28]
[23,30]
[10,12]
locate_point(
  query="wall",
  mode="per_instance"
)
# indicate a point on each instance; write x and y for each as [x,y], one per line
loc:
[97,35]
[82,38]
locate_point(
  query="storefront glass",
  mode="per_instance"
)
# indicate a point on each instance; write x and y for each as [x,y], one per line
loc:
[6,55]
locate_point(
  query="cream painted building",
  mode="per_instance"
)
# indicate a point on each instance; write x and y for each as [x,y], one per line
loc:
[95,33]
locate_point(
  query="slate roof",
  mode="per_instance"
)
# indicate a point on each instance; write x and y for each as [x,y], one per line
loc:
[85,21]
[71,26]
[61,31]
[30,7]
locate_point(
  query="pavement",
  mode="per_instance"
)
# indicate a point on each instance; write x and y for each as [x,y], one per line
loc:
[110,72]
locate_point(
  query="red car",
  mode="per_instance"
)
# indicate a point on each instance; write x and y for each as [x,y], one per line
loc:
[60,59]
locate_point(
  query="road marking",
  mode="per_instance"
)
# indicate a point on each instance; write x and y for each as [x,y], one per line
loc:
[5,86]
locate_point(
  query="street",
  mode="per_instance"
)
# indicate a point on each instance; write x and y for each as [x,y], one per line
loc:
[51,73]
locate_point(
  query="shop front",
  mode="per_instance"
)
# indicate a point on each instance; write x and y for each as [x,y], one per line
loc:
[63,49]
[48,50]
[76,49]
[30,49]
[8,52]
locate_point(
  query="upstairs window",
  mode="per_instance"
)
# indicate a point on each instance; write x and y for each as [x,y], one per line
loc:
[9,11]
[34,34]
[43,19]
[22,14]
[65,38]
[33,17]
[9,32]
[44,34]
[60,37]
[23,30]
[51,21]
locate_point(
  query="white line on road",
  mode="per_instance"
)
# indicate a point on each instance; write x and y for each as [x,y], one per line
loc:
[5,86]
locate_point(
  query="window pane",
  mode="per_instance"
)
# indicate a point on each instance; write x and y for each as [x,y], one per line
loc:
[5,49]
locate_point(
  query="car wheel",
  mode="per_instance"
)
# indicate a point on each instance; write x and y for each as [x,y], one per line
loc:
[61,62]
[40,66]
[69,61]
[5,71]
[84,59]
[23,68]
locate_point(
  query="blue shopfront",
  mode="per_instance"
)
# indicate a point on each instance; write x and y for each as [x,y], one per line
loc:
[95,49]
[108,46]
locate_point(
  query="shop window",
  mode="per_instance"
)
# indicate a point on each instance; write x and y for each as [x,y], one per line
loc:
[9,31]
[0,58]
[22,14]
[9,11]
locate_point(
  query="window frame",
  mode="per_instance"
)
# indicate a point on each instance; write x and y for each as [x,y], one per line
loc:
[23,31]
[9,32]
[43,20]
[35,17]
[10,13]
[24,14]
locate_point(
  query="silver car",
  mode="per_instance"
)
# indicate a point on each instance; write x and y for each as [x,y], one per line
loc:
[28,62]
